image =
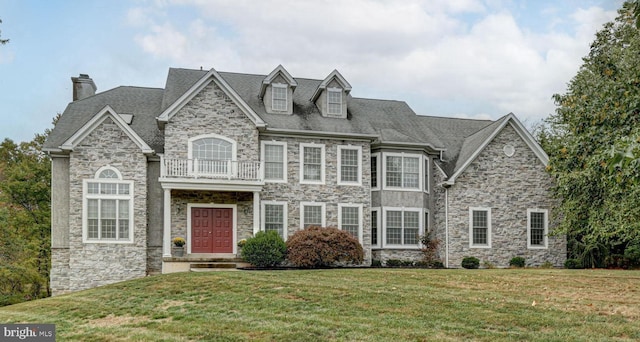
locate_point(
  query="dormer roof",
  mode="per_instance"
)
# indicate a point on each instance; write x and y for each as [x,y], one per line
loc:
[279,70]
[323,85]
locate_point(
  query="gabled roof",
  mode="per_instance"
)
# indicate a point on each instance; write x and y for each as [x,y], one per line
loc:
[474,144]
[211,76]
[142,103]
[279,70]
[105,113]
[323,85]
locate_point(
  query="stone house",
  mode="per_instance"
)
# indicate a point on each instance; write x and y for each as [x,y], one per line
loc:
[215,157]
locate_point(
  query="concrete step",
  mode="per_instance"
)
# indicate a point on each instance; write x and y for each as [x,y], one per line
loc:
[217,266]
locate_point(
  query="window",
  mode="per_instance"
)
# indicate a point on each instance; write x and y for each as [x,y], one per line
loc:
[537,224]
[274,155]
[427,226]
[349,161]
[402,227]
[480,227]
[374,171]
[279,97]
[108,207]
[274,217]
[402,171]
[375,223]
[211,153]
[312,214]
[312,168]
[350,219]
[334,101]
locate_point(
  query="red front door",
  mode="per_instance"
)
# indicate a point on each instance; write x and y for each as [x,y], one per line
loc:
[211,230]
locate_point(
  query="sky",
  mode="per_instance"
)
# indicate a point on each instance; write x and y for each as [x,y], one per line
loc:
[478,59]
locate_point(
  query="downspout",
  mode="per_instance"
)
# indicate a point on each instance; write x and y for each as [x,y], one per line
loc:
[446,227]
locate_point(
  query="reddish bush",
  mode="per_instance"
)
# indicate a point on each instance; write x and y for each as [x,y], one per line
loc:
[322,247]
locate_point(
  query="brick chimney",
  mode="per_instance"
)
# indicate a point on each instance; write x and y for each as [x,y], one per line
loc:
[83,87]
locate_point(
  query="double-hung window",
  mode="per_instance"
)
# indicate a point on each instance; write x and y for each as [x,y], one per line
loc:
[274,217]
[350,219]
[279,97]
[312,214]
[108,207]
[349,165]
[402,171]
[537,224]
[480,227]
[211,154]
[274,155]
[402,227]
[313,161]
[334,101]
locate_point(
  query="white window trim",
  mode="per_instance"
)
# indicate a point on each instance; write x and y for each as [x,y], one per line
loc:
[471,210]
[313,204]
[285,172]
[546,228]
[378,173]
[384,228]
[322,163]
[403,155]
[285,215]
[286,97]
[85,200]
[360,218]
[234,145]
[427,174]
[379,225]
[359,172]
[334,90]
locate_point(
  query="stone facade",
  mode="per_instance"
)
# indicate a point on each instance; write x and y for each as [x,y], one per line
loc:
[509,186]
[95,264]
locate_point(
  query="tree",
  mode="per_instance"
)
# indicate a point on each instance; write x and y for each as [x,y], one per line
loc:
[599,113]
[25,233]
[2,41]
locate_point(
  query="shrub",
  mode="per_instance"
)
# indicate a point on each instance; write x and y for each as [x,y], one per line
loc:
[632,253]
[432,264]
[265,249]
[394,263]
[429,249]
[470,262]
[489,265]
[323,247]
[516,262]
[376,263]
[573,264]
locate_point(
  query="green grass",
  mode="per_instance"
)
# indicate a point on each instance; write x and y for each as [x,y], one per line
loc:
[350,305]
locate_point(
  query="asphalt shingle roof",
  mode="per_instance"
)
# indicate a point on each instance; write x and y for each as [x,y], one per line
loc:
[391,121]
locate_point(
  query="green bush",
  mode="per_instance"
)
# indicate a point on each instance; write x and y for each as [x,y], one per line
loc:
[265,249]
[394,263]
[632,254]
[546,264]
[470,262]
[376,263]
[573,264]
[322,247]
[516,262]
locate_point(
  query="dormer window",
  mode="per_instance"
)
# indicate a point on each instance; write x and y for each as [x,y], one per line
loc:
[277,90]
[334,101]
[279,97]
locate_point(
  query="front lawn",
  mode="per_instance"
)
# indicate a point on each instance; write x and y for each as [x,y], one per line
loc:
[350,305]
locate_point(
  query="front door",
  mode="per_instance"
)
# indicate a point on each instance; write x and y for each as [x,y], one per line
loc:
[211,230]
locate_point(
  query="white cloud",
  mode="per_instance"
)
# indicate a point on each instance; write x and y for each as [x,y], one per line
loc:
[423,48]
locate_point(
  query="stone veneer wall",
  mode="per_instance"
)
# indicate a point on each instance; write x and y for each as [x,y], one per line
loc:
[181,198]
[329,193]
[509,186]
[211,111]
[96,264]
[60,271]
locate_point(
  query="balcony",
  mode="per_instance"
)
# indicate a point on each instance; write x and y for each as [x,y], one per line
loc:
[211,174]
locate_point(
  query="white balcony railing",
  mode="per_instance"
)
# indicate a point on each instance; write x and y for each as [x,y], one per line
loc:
[219,169]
